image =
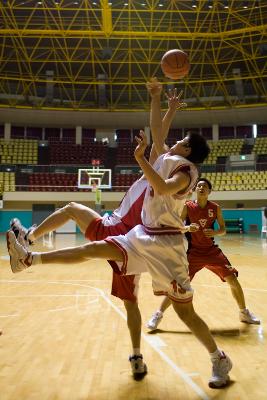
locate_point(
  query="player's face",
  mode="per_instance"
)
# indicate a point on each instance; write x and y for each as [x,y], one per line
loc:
[181,148]
[202,189]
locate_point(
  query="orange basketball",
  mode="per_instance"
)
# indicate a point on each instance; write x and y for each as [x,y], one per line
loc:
[175,64]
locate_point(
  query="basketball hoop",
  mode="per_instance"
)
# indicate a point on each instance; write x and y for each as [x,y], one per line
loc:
[94,178]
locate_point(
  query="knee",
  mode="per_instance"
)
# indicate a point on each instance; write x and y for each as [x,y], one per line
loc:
[70,208]
[131,306]
[185,313]
[132,309]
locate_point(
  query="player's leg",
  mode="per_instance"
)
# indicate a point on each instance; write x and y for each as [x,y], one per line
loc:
[79,213]
[21,258]
[227,273]
[126,288]
[221,364]
[244,314]
[134,323]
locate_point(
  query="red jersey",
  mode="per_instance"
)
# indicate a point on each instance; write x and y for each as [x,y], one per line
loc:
[205,218]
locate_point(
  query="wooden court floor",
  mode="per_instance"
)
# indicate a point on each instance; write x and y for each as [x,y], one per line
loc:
[65,338]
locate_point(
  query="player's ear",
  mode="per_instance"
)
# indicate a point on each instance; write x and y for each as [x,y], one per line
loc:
[188,150]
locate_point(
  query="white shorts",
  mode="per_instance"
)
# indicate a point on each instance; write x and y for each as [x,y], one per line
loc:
[163,256]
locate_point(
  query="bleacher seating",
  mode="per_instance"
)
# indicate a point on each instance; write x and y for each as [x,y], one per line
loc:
[7,182]
[260,146]
[88,135]
[124,136]
[122,181]
[223,148]
[125,154]
[65,153]
[53,182]
[19,151]
[173,136]
[247,180]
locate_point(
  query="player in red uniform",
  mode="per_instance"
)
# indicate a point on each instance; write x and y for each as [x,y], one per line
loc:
[121,221]
[200,217]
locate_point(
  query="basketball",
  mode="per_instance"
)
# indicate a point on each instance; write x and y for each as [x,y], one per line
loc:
[175,64]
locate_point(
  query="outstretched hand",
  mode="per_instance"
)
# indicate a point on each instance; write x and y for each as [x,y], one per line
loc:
[174,100]
[141,146]
[154,87]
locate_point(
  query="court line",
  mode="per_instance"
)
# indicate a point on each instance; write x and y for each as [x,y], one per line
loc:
[10,315]
[108,281]
[46,295]
[179,371]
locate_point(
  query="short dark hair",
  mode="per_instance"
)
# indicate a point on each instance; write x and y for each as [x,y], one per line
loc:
[205,180]
[199,147]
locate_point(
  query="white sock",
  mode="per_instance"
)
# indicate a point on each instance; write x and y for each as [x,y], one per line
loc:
[136,351]
[217,354]
[243,310]
[36,258]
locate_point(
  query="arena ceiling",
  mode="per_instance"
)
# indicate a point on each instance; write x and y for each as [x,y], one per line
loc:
[97,55]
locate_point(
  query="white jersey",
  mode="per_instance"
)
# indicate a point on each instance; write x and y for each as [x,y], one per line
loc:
[158,246]
[129,210]
[162,211]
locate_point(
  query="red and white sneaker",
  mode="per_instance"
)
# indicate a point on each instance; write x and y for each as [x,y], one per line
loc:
[20,258]
[220,369]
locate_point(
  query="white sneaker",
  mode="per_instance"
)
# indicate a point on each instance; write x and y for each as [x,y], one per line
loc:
[248,317]
[154,321]
[139,368]
[20,258]
[220,369]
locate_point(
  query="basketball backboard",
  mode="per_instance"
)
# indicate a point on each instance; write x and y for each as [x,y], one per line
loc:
[94,177]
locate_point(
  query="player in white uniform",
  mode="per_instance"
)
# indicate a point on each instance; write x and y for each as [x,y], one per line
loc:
[158,244]
[95,227]
[169,181]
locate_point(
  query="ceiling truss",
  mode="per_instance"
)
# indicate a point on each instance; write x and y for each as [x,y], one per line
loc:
[97,55]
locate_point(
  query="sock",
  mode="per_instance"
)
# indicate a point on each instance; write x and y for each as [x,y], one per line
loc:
[217,354]
[136,351]
[36,258]
[243,310]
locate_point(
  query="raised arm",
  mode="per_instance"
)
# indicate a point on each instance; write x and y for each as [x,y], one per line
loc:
[160,129]
[155,88]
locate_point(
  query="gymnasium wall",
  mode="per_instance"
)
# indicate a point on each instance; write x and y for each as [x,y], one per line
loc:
[23,211]
[251,217]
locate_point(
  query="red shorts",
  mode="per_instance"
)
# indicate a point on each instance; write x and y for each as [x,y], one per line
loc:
[123,286]
[212,259]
